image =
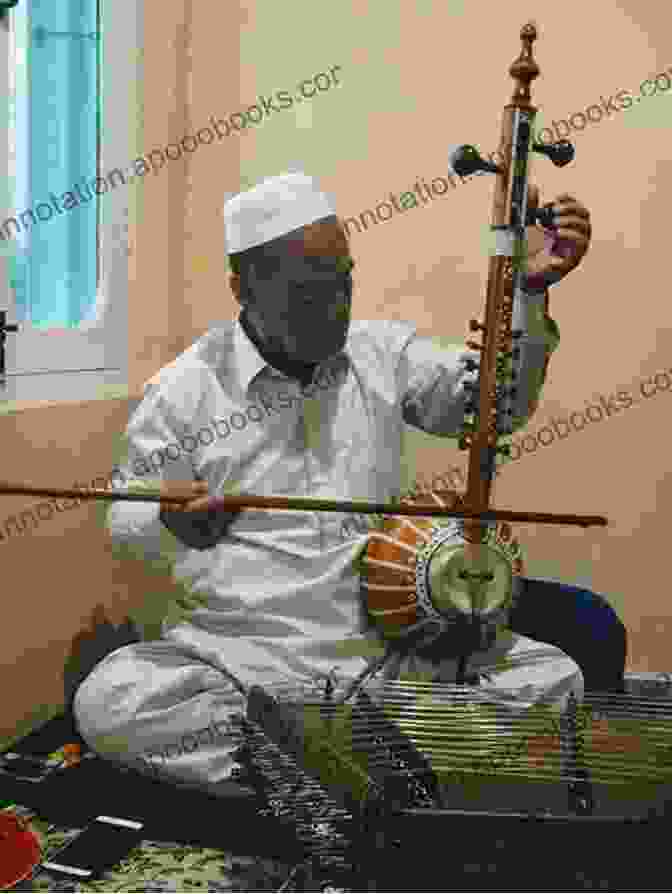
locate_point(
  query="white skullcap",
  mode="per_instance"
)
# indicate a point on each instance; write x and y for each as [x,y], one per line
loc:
[274,207]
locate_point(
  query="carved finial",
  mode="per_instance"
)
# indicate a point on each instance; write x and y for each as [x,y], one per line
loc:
[524,70]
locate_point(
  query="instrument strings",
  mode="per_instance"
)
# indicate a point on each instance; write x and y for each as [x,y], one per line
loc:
[619,738]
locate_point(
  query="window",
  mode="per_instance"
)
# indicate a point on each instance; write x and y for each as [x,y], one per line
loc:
[67,143]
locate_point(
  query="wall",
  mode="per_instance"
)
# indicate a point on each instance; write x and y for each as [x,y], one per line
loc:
[60,579]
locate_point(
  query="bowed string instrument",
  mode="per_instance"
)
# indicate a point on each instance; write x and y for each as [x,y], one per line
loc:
[443,590]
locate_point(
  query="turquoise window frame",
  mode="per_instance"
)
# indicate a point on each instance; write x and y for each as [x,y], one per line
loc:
[55,128]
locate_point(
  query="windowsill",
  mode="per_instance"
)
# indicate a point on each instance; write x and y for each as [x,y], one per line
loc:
[103,392]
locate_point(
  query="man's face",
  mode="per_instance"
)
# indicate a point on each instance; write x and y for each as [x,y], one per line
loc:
[304,308]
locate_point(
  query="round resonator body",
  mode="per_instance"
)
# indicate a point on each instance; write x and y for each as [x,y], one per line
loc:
[416,568]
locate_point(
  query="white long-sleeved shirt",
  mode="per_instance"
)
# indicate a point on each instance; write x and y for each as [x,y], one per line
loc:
[278,597]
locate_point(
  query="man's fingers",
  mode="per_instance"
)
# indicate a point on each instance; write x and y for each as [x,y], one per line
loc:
[201,504]
[572,221]
[199,500]
[207,504]
[167,506]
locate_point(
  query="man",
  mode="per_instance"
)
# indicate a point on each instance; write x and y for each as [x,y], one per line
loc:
[296,400]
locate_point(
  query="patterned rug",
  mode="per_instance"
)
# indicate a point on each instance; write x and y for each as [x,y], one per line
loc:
[170,866]
[167,866]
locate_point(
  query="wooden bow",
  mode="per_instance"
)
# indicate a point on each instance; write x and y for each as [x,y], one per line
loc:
[301,504]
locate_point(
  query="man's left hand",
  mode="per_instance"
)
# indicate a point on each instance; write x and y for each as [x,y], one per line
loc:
[552,254]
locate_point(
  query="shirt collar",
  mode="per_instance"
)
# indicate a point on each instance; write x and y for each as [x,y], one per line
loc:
[249,363]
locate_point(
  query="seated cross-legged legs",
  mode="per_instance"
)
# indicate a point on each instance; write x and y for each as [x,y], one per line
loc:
[164,713]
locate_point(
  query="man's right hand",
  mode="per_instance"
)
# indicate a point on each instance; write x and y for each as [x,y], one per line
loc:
[198,502]
[196,522]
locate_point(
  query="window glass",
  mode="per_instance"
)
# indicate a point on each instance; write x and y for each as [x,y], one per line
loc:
[54,161]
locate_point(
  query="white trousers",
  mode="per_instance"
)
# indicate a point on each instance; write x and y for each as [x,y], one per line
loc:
[162,710]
